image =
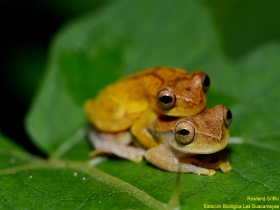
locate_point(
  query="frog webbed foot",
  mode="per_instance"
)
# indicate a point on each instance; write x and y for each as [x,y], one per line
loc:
[115,143]
[223,161]
[163,157]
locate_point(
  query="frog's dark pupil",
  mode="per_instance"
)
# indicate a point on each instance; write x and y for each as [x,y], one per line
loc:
[184,132]
[229,115]
[206,82]
[166,99]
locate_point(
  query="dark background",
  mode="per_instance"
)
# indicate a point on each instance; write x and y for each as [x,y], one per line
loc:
[26,31]
[28,26]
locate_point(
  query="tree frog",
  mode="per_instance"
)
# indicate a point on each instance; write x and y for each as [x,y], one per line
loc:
[181,141]
[128,102]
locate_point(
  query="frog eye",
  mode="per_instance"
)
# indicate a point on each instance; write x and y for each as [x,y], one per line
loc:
[205,82]
[227,115]
[184,133]
[166,99]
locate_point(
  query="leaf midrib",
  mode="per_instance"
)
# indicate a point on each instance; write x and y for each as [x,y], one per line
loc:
[94,173]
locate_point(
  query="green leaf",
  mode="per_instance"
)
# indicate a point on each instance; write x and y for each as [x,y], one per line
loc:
[245,24]
[8,145]
[11,154]
[94,50]
[30,183]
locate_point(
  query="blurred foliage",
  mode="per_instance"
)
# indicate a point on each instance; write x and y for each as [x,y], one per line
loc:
[26,31]
[244,25]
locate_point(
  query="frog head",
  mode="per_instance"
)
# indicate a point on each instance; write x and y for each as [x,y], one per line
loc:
[183,94]
[204,133]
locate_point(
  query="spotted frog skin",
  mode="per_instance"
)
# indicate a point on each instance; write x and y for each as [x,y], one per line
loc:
[180,140]
[162,91]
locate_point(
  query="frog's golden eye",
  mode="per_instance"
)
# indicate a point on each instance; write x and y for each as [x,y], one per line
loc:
[166,99]
[205,82]
[227,115]
[184,132]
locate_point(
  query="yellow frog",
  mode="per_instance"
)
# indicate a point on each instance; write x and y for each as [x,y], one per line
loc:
[162,91]
[179,141]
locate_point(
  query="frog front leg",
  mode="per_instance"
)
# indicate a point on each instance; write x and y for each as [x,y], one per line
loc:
[140,131]
[117,144]
[163,157]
